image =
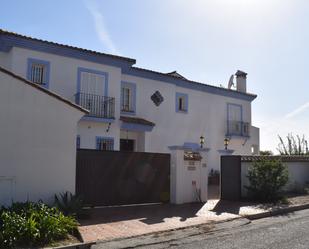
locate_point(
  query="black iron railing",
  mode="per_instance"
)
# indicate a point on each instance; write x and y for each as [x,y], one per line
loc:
[238,128]
[98,106]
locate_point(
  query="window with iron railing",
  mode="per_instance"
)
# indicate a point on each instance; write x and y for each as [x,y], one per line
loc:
[98,106]
[238,128]
[38,72]
[103,143]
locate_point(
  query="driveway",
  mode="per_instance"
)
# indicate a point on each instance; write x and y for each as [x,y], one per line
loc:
[108,223]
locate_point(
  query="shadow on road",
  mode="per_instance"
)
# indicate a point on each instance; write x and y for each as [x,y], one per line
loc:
[148,214]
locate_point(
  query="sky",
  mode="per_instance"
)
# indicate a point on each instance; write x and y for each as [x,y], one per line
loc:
[204,40]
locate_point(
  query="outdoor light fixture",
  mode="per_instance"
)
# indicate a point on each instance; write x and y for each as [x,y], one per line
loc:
[108,127]
[226,142]
[202,141]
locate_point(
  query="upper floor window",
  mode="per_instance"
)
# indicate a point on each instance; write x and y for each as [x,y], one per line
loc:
[38,72]
[235,124]
[128,98]
[181,102]
[104,143]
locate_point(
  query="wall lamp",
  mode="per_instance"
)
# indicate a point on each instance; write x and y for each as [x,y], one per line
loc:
[202,141]
[226,142]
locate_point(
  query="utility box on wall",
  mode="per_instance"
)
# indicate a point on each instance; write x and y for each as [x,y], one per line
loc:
[189,176]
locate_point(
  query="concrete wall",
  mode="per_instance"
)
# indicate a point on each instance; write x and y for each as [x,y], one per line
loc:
[298,175]
[207,114]
[37,145]
[189,179]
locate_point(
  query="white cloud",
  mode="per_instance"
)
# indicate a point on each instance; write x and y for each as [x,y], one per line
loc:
[298,111]
[292,122]
[100,27]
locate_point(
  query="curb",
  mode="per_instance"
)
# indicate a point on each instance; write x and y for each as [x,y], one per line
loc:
[74,246]
[276,212]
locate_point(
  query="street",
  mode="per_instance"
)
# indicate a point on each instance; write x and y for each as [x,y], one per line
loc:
[290,231]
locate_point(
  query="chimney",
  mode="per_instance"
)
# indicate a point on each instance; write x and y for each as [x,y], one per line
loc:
[241,81]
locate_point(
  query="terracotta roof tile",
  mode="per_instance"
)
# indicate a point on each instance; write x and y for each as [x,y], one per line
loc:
[4,32]
[136,120]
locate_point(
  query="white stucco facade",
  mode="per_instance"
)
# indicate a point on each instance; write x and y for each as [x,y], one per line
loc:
[37,146]
[207,106]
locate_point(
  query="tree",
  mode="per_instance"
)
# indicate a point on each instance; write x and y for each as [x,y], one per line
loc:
[267,177]
[266,153]
[294,145]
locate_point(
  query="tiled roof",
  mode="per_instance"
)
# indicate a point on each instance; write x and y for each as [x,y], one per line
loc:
[195,82]
[4,32]
[136,120]
[283,158]
[128,68]
[3,70]
[176,74]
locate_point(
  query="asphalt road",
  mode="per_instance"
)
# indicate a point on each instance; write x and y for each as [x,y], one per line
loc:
[290,231]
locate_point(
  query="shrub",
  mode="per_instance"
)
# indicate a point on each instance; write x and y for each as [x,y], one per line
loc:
[294,145]
[267,178]
[33,224]
[69,204]
[266,153]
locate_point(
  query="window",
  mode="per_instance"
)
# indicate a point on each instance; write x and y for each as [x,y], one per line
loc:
[38,72]
[235,124]
[181,102]
[103,143]
[128,98]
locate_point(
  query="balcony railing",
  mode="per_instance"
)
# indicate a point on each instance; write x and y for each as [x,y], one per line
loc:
[238,128]
[98,106]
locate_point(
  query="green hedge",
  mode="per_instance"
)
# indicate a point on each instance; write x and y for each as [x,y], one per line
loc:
[33,224]
[267,178]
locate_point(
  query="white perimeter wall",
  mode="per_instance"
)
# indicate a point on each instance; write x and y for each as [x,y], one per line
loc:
[298,175]
[37,145]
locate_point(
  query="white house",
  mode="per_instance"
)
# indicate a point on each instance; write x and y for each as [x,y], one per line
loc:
[37,146]
[133,108]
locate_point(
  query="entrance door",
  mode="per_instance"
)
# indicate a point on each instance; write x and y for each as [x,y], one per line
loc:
[126,145]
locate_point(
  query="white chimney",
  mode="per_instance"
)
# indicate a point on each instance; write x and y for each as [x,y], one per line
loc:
[241,81]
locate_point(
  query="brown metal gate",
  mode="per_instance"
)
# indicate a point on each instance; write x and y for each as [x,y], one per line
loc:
[117,178]
[231,178]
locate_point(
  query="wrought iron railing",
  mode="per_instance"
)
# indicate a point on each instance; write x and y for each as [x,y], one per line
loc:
[238,128]
[98,106]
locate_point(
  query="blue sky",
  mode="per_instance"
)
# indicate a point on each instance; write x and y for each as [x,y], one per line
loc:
[204,40]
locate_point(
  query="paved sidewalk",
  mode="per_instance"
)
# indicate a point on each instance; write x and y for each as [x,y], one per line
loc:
[123,222]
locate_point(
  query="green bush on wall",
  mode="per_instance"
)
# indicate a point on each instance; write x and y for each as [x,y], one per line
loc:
[33,224]
[267,178]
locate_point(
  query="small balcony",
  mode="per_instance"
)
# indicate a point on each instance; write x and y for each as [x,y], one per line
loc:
[98,106]
[238,128]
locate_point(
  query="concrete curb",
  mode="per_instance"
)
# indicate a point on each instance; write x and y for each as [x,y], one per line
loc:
[277,211]
[74,246]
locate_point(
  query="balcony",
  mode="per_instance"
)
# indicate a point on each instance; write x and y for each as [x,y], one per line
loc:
[98,106]
[238,128]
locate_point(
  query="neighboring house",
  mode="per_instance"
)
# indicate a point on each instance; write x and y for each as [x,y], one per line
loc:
[135,109]
[37,147]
